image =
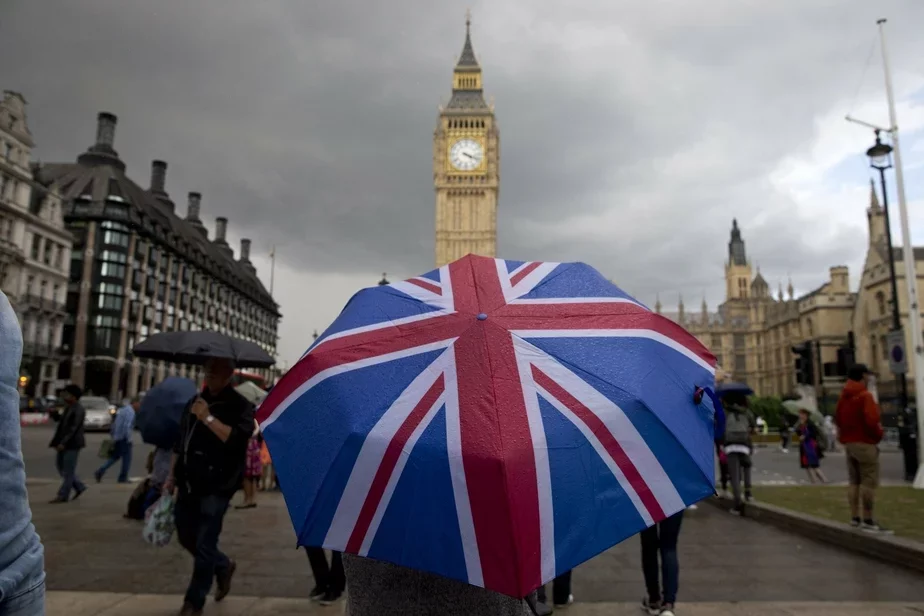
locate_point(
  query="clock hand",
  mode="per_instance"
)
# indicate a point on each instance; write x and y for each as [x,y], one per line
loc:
[469,155]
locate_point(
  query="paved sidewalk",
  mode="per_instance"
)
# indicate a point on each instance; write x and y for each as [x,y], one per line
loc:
[90,547]
[113,604]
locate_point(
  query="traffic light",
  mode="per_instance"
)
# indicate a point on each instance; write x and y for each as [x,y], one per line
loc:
[805,368]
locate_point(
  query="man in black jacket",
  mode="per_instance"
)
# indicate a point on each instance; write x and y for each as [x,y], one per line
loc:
[208,468]
[67,442]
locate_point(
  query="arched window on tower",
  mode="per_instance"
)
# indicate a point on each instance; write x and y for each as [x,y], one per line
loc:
[881,302]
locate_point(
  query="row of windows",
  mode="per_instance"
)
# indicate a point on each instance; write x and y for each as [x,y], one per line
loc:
[454,123]
[48,251]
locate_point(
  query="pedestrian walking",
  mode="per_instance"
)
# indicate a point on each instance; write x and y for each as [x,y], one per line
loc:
[267,481]
[661,539]
[253,470]
[208,468]
[739,427]
[121,432]
[784,434]
[67,441]
[860,431]
[22,557]
[830,430]
[329,580]
[561,594]
[810,450]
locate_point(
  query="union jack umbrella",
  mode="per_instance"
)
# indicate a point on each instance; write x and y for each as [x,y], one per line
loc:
[496,422]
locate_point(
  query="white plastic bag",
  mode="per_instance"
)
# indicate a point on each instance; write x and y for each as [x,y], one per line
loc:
[158,522]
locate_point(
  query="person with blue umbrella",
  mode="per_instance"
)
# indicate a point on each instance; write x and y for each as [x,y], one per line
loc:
[740,426]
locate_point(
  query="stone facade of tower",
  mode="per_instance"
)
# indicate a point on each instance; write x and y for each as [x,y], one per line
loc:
[466,166]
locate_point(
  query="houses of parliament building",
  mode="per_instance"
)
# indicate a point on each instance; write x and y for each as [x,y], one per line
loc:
[753,332]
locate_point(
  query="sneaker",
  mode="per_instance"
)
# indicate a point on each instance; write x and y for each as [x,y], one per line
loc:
[693,507]
[542,609]
[316,593]
[566,603]
[667,610]
[223,581]
[870,526]
[855,522]
[652,608]
[330,597]
[748,497]
[56,500]
[189,610]
[738,511]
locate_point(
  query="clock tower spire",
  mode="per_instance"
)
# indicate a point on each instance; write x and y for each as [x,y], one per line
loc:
[466,173]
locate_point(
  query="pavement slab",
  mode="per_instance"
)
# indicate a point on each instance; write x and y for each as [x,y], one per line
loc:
[91,548]
[61,603]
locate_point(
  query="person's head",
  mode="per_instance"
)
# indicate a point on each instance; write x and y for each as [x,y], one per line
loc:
[136,403]
[803,416]
[71,394]
[859,372]
[218,373]
[735,399]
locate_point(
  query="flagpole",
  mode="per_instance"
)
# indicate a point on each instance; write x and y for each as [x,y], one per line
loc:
[272,269]
[911,278]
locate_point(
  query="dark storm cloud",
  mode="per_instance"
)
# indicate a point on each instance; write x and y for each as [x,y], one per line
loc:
[631,133]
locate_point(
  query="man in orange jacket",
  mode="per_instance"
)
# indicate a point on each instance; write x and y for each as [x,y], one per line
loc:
[860,430]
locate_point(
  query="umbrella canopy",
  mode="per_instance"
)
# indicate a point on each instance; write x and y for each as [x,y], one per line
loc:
[159,416]
[184,347]
[733,388]
[496,422]
[794,406]
[251,391]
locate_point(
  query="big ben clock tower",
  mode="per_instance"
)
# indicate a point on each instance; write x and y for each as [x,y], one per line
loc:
[466,172]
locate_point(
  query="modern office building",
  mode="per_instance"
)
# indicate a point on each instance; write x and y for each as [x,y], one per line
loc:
[138,268]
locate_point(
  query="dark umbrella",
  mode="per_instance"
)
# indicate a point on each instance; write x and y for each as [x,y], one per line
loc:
[733,388]
[200,346]
[159,417]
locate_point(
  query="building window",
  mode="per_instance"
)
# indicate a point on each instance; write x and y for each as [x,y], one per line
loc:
[885,348]
[36,240]
[30,284]
[49,249]
[116,238]
[741,363]
[739,341]
[881,302]
[112,270]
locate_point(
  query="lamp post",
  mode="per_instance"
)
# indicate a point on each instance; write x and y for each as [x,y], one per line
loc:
[384,281]
[880,158]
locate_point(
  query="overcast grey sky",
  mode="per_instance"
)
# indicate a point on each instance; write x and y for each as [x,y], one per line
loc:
[631,133]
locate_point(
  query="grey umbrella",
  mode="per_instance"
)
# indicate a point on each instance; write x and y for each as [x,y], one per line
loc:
[200,346]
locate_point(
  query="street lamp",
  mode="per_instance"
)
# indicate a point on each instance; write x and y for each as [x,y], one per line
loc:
[384,281]
[880,158]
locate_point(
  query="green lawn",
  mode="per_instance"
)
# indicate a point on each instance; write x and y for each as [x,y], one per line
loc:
[898,508]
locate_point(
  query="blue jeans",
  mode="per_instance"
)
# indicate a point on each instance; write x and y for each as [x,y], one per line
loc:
[121,450]
[66,463]
[662,537]
[198,526]
[29,603]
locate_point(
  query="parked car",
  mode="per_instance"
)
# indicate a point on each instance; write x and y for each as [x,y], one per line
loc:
[99,413]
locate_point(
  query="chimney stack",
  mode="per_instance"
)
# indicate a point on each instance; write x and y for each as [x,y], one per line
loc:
[221,228]
[245,250]
[105,129]
[158,177]
[193,204]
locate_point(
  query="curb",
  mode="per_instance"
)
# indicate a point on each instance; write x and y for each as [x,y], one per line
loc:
[886,548]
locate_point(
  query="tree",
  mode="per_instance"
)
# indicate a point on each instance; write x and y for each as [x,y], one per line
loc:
[768,407]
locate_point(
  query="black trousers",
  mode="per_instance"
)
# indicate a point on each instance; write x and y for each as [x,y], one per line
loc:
[331,577]
[561,590]
[198,525]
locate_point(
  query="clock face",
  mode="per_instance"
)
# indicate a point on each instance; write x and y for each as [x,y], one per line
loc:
[466,154]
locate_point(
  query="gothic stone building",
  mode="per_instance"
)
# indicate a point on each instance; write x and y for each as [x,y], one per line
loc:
[35,251]
[752,332]
[138,268]
[466,166]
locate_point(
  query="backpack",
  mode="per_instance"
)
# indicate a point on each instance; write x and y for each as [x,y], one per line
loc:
[738,427]
[821,437]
